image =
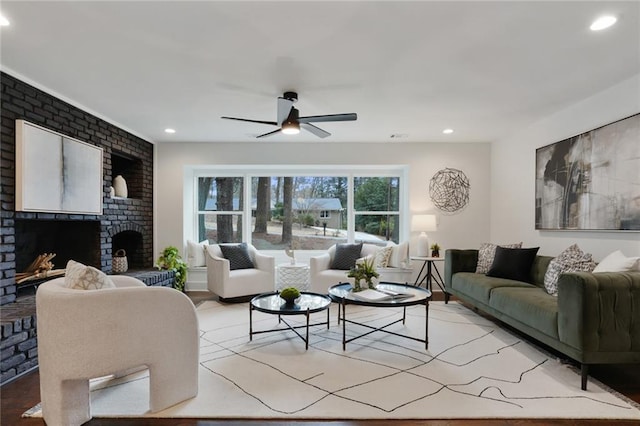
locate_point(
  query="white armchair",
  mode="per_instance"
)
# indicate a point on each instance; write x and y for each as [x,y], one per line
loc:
[85,334]
[322,276]
[231,284]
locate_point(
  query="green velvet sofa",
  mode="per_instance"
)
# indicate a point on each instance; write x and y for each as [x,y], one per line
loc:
[595,319]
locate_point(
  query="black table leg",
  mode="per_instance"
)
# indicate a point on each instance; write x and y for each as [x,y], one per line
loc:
[418,280]
[328,311]
[344,326]
[307,339]
[250,322]
[426,324]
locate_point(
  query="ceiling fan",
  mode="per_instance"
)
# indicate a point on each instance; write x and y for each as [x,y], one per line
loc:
[290,122]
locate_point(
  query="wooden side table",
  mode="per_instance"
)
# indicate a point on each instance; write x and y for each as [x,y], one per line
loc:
[432,274]
[296,275]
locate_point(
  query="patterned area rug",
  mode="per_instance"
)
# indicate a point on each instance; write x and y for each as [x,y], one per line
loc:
[472,369]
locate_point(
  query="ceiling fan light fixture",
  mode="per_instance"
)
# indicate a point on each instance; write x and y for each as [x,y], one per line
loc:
[290,127]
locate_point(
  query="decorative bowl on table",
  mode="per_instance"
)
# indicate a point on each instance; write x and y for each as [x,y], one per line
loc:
[290,295]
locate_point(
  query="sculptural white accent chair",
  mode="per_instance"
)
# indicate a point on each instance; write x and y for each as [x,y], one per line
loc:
[85,334]
[322,276]
[229,284]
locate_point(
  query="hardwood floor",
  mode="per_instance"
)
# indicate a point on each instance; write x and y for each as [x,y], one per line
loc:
[23,393]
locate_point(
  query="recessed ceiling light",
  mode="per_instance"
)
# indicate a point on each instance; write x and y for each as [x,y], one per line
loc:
[169,130]
[3,21]
[603,22]
[447,131]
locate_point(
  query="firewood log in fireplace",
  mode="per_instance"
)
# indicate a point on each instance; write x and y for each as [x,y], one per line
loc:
[40,268]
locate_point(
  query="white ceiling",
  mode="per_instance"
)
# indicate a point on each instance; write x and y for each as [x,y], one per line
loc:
[484,69]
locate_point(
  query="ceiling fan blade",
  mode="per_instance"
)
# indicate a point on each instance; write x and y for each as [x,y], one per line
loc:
[284,108]
[315,130]
[273,123]
[264,135]
[329,117]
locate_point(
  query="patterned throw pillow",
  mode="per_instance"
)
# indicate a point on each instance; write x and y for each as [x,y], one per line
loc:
[487,253]
[382,256]
[572,259]
[80,277]
[237,255]
[346,256]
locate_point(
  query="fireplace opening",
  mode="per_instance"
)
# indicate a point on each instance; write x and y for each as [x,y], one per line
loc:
[68,239]
[131,243]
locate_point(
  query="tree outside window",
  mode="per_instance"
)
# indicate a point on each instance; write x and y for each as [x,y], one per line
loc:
[299,212]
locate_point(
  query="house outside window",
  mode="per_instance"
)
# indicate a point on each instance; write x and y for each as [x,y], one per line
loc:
[274,211]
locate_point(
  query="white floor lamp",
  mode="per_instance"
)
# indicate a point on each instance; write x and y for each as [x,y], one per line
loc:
[423,223]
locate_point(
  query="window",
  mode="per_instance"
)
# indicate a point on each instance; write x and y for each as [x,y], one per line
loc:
[303,208]
[220,209]
[376,206]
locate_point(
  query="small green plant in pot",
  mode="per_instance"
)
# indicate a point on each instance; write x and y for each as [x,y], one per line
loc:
[435,250]
[289,294]
[364,270]
[171,260]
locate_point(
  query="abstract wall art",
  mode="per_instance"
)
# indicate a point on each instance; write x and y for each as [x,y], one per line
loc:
[591,181]
[449,190]
[55,173]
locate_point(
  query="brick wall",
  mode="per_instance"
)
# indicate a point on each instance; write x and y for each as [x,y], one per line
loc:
[19,346]
[132,156]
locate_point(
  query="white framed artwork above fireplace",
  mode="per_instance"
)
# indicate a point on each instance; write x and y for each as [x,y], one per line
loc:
[56,173]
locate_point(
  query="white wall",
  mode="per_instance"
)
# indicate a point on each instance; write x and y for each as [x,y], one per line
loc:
[467,228]
[513,175]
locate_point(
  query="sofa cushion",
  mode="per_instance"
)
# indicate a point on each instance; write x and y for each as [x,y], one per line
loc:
[529,305]
[346,256]
[539,268]
[480,286]
[487,252]
[513,263]
[617,262]
[399,254]
[237,255]
[195,253]
[572,259]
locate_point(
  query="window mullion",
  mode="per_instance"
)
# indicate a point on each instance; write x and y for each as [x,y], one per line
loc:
[351,218]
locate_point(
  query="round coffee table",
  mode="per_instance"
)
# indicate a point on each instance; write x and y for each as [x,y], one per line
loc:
[306,304]
[411,295]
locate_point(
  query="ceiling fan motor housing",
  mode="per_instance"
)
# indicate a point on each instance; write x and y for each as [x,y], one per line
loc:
[291,96]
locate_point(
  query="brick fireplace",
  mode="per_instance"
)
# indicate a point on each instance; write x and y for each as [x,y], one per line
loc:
[126,223]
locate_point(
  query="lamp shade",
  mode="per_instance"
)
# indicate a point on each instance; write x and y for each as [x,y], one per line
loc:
[423,222]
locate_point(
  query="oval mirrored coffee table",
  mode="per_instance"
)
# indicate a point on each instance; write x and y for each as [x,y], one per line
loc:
[306,304]
[389,295]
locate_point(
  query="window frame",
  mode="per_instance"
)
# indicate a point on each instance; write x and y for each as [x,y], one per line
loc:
[248,172]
